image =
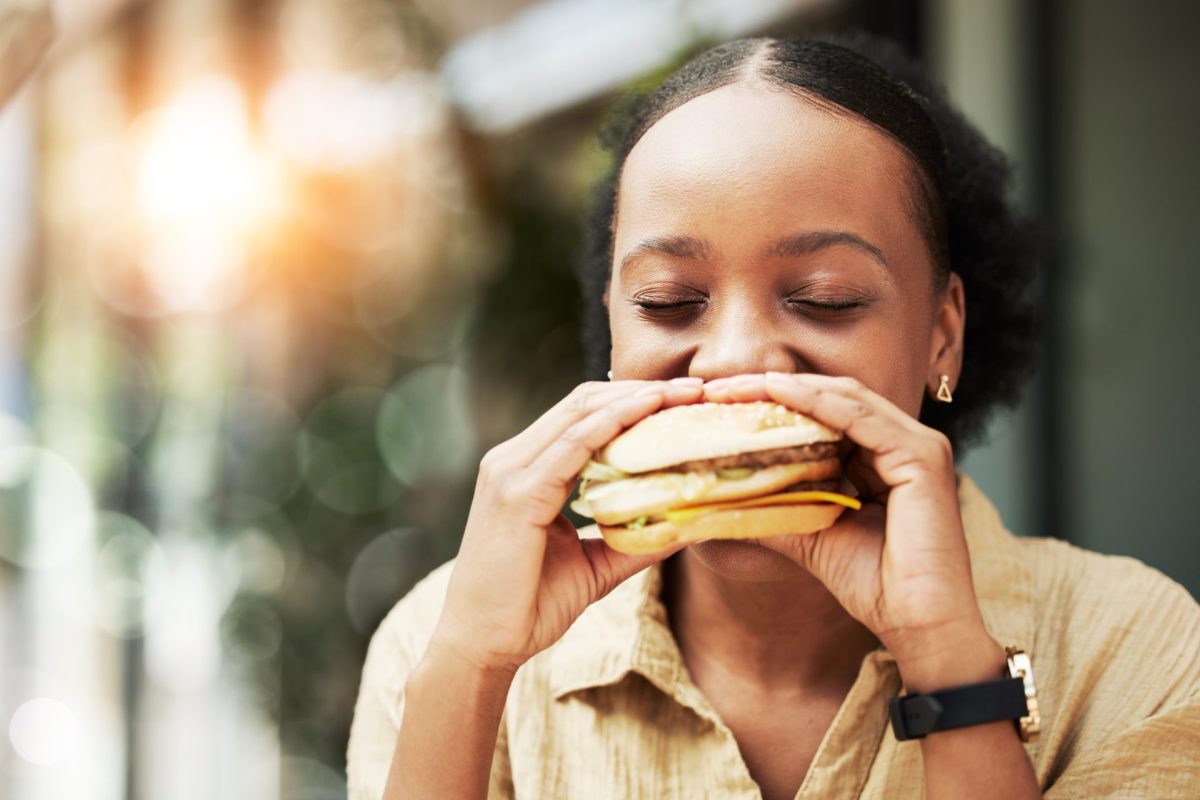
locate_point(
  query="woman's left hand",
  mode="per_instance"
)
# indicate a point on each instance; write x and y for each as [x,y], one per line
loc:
[900,565]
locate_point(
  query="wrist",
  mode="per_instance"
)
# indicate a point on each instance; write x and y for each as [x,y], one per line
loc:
[451,718]
[949,656]
[464,645]
[445,665]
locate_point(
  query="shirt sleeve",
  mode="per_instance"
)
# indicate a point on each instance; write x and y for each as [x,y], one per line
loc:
[398,644]
[1129,691]
[1157,757]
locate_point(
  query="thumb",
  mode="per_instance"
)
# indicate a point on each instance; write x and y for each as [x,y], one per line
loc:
[832,554]
[797,547]
[611,567]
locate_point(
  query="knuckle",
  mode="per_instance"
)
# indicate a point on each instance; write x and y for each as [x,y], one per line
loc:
[939,448]
[547,494]
[849,384]
[573,434]
[511,492]
[581,396]
[491,461]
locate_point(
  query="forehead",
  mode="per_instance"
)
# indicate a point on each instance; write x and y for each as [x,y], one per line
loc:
[749,162]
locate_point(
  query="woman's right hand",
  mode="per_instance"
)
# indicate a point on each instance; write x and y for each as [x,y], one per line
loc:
[523,575]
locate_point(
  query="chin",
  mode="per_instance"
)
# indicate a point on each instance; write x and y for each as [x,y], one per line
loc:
[744,561]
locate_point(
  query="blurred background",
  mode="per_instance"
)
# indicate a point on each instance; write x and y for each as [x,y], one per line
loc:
[275,273]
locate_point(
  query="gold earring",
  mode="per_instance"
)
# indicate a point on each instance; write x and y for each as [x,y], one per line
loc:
[943,390]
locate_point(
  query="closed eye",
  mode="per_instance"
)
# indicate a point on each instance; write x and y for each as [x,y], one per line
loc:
[827,308]
[669,309]
[665,304]
[828,305]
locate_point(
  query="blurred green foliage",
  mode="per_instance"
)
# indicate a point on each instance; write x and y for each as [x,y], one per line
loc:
[357,537]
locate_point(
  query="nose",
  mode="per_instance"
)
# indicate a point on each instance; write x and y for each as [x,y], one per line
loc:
[738,342]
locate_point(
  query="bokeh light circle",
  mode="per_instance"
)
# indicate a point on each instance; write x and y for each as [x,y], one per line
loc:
[203,193]
[13,431]
[251,630]
[44,731]
[258,449]
[254,560]
[425,425]
[129,564]
[339,454]
[383,572]
[183,646]
[46,507]
[122,366]
[19,307]
[413,323]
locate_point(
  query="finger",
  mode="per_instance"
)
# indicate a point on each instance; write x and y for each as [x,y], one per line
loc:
[681,391]
[854,389]
[836,549]
[737,389]
[611,567]
[901,447]
[844,404]
[860,471]
[559,463]
[860,415]
[585,400]
[836,402]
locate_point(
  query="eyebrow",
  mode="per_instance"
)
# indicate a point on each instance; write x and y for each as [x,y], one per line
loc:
[799,244]
[802,244]
[686,247]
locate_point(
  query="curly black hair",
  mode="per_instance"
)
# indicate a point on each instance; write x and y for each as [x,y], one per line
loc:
[960,186]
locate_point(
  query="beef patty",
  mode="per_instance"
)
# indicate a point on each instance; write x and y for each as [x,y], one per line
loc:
[763,458]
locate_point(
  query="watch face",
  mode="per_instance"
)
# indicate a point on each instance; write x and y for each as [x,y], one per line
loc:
[1019,666]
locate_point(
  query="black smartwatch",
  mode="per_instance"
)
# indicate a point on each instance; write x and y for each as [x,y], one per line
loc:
[915,716]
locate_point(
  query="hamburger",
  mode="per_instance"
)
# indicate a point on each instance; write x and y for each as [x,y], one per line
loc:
[714,471]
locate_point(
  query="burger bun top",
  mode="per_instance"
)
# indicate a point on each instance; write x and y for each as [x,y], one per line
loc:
[710,430]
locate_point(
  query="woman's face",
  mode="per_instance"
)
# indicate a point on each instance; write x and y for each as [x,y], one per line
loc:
[757,230]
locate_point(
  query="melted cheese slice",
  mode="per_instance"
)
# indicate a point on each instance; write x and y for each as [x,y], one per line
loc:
[784,499]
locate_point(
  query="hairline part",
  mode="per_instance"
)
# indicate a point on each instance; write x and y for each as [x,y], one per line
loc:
[921,192]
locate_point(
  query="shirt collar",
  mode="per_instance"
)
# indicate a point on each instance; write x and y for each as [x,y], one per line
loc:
[628,632]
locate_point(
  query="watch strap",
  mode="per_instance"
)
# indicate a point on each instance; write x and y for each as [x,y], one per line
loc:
[917,715]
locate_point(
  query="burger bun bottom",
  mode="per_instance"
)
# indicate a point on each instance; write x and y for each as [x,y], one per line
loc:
[736,523]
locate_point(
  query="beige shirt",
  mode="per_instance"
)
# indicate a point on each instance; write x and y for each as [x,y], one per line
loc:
[611,712]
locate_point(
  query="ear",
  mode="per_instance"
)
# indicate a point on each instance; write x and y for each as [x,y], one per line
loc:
[946,347]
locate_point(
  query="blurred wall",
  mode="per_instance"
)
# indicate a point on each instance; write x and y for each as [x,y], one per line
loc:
[1095,103]
[1130,115]
[979,53]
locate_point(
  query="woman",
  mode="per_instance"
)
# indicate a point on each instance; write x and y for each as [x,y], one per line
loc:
[788,222]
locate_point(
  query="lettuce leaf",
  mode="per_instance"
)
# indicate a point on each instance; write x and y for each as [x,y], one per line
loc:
[595,471]
[735,473]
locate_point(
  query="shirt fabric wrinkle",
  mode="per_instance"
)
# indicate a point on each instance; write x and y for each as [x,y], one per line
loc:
[611,710]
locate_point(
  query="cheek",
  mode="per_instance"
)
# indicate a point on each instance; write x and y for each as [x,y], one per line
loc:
[889,356]
[647,352]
